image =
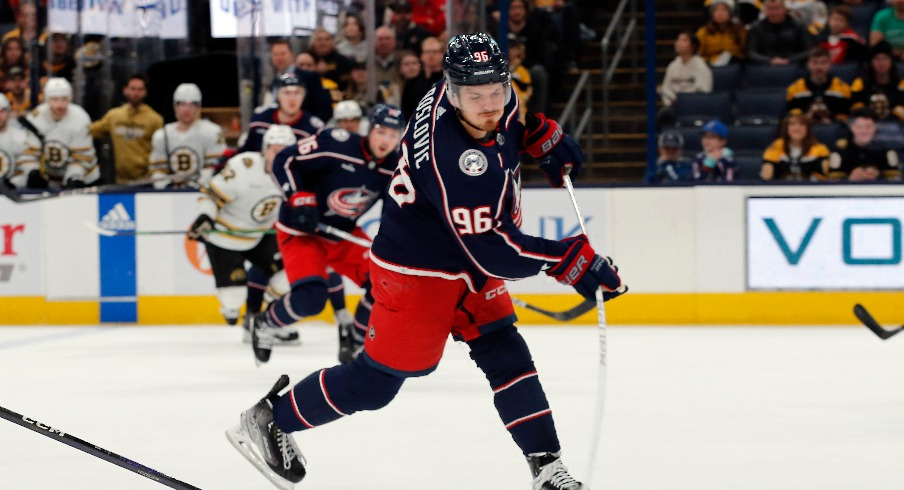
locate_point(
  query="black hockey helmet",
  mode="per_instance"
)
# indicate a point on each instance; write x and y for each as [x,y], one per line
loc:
[475,59]
[387,116]
[288,80]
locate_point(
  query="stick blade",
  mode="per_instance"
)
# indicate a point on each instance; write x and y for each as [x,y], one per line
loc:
[871,323]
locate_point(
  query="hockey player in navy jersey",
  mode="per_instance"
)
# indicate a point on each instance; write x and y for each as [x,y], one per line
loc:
[449,237]
[287,110]
[333,177]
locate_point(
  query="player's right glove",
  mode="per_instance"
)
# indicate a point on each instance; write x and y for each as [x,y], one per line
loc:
[36,180]
[585,271]
[554,150]
[202,226]
[302,211]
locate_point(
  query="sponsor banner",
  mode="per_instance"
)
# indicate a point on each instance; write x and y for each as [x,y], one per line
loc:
[166,19]
[118,302]
[21,269]
[246,18]
[825,243]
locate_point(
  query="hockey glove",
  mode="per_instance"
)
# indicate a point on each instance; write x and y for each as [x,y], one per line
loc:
[302,211]
[555,151]
[36,180]
[585,271]
[74,183]
[201,227]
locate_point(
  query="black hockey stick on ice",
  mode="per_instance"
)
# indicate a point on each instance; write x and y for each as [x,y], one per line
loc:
[562,316]
[97,452]
[871,323]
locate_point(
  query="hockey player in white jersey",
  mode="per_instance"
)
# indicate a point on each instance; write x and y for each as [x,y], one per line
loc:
[244,197]
[186,150]
[61,152]
[13,143]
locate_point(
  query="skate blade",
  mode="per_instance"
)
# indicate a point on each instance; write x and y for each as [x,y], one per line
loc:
[242,443]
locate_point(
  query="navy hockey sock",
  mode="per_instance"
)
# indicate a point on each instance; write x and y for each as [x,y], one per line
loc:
[306,298]
[336,290]
[328,394]
[519,398]
[257,284]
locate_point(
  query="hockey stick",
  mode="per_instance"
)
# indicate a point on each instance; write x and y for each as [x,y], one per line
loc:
[101,231]
[97,452]
[562,316]
[601,373]
[15,196]
[329,230]
[871,323]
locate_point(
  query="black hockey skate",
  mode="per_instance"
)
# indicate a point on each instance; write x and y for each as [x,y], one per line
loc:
[270,450]
[261,337]
[281,336]
[551,474]
[347,348]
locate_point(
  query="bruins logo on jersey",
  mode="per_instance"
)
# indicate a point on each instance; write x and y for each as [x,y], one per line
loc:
[56,156]
[184,160]
[264,209]
[6,164]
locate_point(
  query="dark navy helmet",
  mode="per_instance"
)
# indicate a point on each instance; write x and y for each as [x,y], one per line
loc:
[387,116]
[475,59]
[288,80]
[671,139]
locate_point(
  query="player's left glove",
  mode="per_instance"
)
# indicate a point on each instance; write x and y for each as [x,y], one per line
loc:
[553,149]
[302,211]
[201,227]
[585,271]
[74,183]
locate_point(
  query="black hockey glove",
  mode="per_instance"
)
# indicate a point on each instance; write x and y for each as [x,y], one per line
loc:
[74,183]
[585,271]
[554,150]
[302,212]
[202,225]
[36,180]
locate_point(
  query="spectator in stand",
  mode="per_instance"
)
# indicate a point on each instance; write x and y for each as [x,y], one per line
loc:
[840,40]
[879,77]
[671,166]
[530,28]
[812,14]
[889,135]
[26,25]
[688,72]
[796,154]
[888,25]
[352,43]
[409,35]
[855,159]
[520,76]
[429,14]
[821,98]
[13,143]
[60,62]
[409,67]
[12,54]
[432,50]
[722,39]
[386,57]
[357,87]
[19,93]
[305,63]
[131,127]
[330,64]
[318,100]
[777,39]
[716,162]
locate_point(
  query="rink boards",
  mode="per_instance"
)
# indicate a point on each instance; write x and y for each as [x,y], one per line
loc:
[691,255]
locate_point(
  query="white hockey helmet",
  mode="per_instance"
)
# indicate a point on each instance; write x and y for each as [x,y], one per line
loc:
[4,102]
[57,87]
[347,109]
[278,134]
[187,92]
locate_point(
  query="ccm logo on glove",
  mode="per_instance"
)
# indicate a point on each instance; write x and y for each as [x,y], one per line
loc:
[304,199]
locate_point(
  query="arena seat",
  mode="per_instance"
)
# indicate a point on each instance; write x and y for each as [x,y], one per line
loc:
[693,109]
[759,108]
[726,78]
[747,138]
[846,71]
[768,78]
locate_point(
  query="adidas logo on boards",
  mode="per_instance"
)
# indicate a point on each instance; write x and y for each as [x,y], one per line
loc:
[117,218]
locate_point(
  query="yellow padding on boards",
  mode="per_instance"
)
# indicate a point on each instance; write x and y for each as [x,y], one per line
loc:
[765,308]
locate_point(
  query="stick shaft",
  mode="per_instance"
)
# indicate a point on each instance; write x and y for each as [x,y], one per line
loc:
[97,452]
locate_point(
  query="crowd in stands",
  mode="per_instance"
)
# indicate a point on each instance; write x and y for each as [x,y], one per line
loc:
[799,90]
[408,46]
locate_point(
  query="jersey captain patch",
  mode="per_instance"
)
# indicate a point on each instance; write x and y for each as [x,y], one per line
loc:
[473,162]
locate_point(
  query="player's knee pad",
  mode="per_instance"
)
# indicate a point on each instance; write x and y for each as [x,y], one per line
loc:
[232,297]
[502,355]
[278,284]
[359,386]
[307,297]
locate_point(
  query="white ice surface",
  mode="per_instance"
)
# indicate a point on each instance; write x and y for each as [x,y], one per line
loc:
[686,408]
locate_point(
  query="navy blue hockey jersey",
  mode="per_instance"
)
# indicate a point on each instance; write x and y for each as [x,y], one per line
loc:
[304,125]
[335,165]
[455,207]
